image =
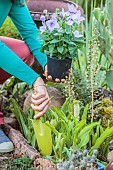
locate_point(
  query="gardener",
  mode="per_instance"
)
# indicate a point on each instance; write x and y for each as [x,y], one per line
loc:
[12,52]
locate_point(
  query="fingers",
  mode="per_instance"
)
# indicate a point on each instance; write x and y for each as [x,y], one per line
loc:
[38,95]
[39,101]
[57,80]
[40,114]
[46,71]
[63,80]
[41,106]
[49,77]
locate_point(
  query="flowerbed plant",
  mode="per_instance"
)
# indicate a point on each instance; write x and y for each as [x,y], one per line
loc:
[62,33]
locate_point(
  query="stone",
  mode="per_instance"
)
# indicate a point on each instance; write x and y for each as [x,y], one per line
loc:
[44,164]
[21,145]
[110,156]
[57,98]
[12,121]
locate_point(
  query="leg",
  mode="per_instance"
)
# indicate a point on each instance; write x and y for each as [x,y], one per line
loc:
[1,114]
[21,49]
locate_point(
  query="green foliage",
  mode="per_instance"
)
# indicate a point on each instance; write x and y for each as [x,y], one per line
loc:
[103,22]
[25,122]
[8,29]
[61,42]
[70,132]
[13,87]
[96,3]
[76,87]
[24,163]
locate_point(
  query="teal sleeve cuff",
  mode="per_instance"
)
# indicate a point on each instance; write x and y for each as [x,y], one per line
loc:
[12,64]
[41,57]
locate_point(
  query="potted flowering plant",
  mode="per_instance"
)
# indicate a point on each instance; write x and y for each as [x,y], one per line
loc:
[61,33]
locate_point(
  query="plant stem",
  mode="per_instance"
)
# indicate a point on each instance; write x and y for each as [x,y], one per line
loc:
[86,30]
[92,89]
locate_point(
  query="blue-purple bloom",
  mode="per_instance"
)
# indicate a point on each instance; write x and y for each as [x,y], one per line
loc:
[63,13]
[70,21]
[79,17]
[43,28]
[72,8]
[42,18]
[54,16]
[77,34]
[52,24]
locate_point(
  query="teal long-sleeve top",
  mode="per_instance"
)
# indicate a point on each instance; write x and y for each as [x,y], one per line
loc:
[9,61]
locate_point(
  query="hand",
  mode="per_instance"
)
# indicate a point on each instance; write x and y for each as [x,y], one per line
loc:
[40,100]
[49,77]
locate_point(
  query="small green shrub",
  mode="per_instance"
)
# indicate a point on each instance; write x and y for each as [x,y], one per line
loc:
[24,163]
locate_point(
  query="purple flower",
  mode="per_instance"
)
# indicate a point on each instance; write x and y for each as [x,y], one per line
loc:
[78,18]
[42,18]
[52,24]
[77,34]
[43,28]
[72,8]
[53,16]
[69,21]
[63,13]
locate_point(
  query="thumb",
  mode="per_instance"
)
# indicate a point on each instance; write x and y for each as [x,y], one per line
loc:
[46,71]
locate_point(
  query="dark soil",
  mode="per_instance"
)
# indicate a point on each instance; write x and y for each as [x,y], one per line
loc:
[6,159]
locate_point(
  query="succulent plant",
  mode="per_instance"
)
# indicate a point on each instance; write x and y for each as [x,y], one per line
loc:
[79,160]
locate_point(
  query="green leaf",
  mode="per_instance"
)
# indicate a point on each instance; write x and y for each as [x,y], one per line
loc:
[84,135]
[54,41]
[88,128]
[84,140]
[60,49]
[80,40]
[84,116]
[109,79]
[107,133]
[51,49]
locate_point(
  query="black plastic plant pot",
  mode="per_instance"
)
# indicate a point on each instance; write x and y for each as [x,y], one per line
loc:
[59,68]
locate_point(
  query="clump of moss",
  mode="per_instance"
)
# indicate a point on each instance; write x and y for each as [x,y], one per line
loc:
[105,110]
[24,163]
